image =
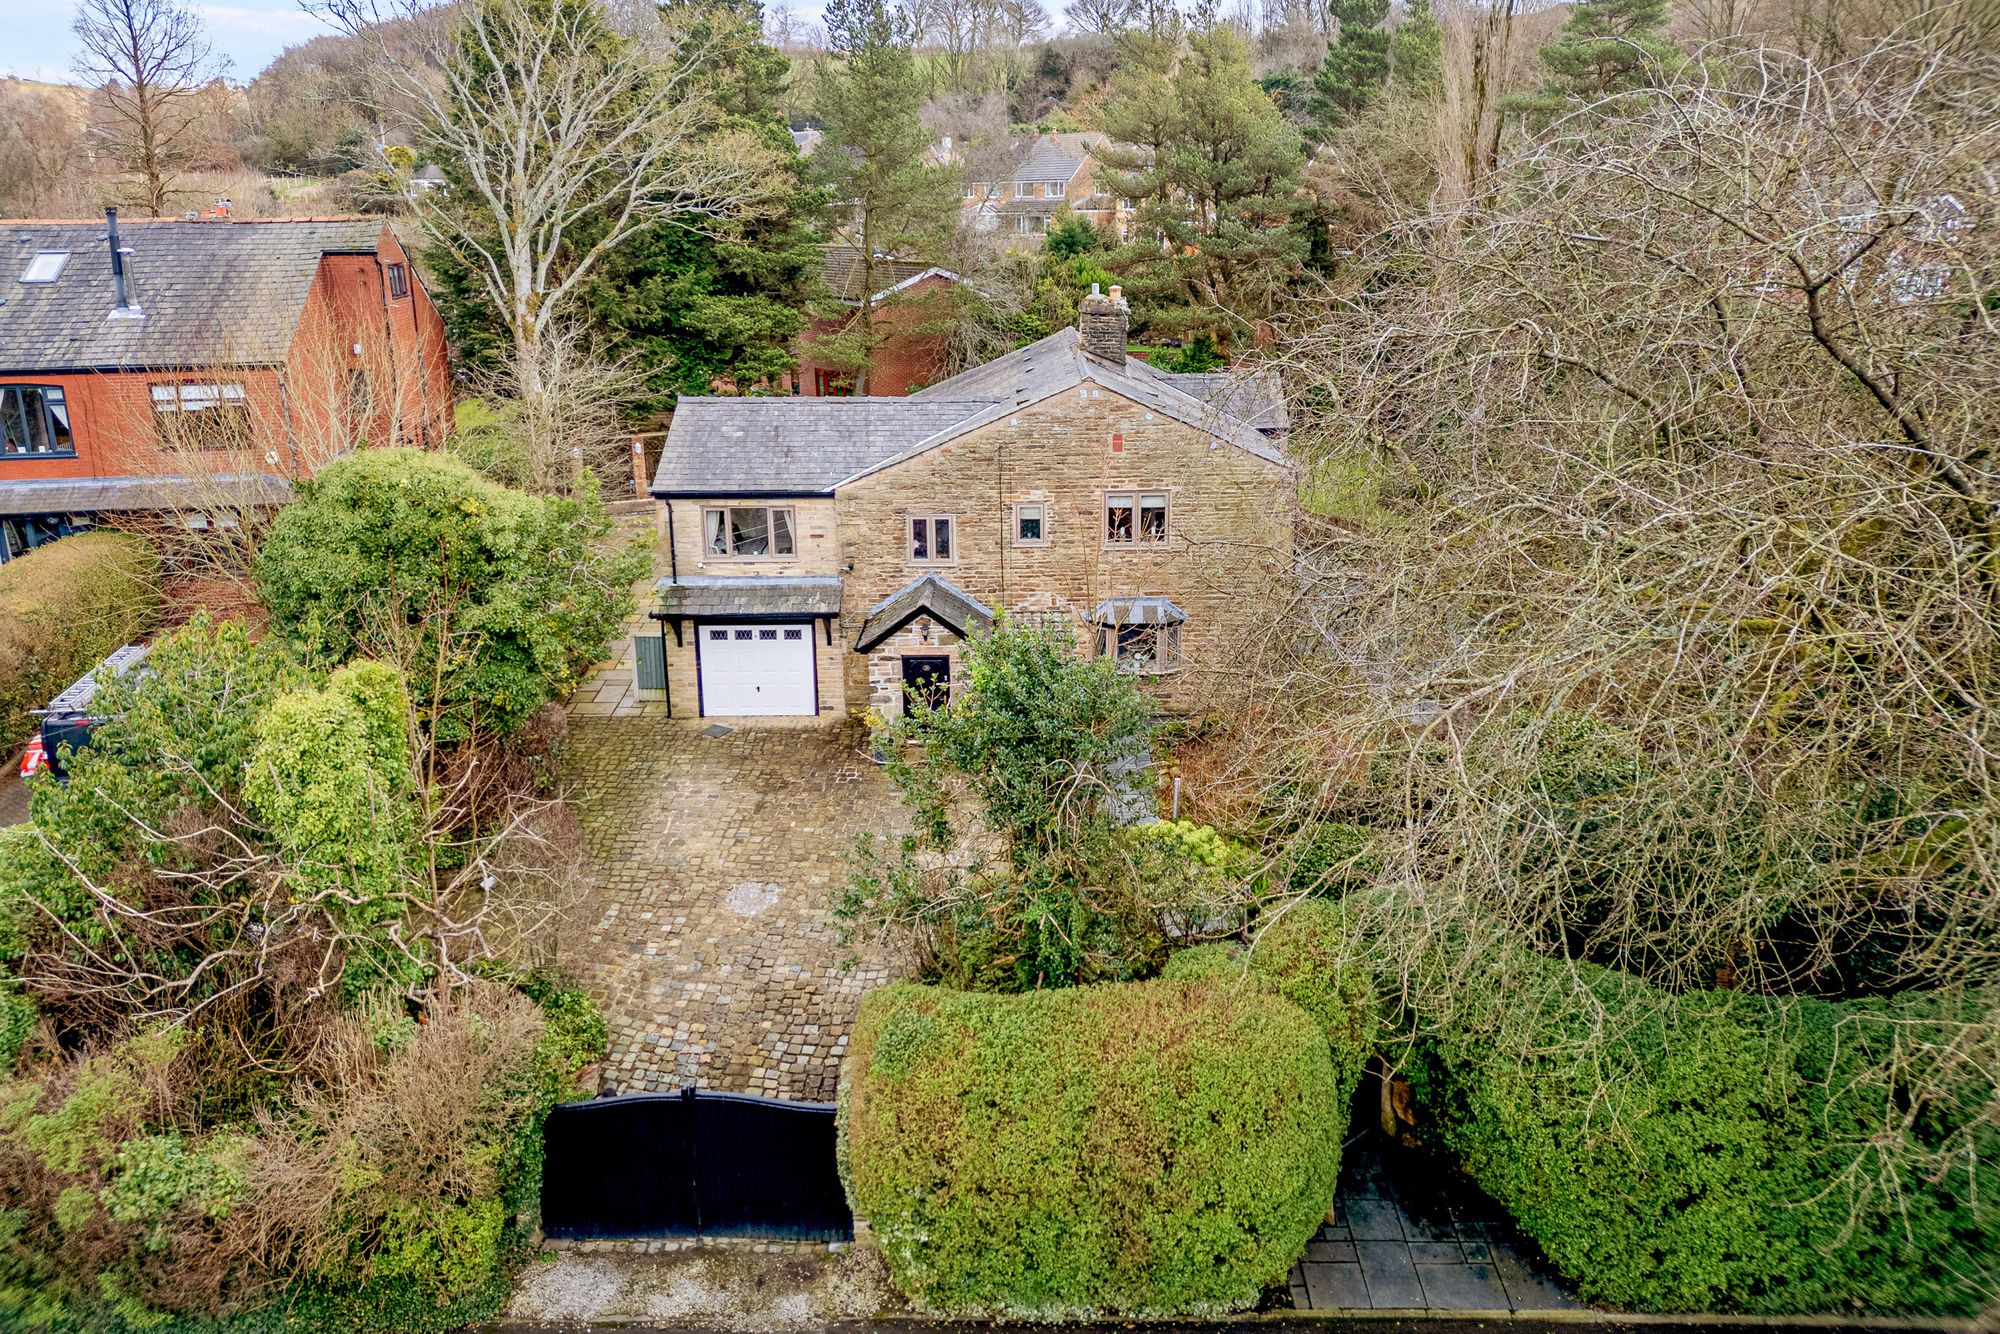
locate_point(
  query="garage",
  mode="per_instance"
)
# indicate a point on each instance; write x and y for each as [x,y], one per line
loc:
[757,670]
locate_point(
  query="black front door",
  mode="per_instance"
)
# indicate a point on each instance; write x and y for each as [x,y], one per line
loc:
[927,679]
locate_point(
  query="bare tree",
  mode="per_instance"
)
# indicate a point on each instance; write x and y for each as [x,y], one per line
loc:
[152,59]
[561,138]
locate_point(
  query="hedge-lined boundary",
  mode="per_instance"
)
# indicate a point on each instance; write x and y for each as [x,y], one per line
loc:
[63,606]
[1149,1148]
[1709,1150]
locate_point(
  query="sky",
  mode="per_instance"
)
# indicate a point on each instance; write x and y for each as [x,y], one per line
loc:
[36,43]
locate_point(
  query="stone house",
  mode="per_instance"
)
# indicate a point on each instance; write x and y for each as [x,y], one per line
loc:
[830,555]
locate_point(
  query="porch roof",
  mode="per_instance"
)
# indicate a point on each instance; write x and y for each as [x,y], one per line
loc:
[722,596]
[929,595]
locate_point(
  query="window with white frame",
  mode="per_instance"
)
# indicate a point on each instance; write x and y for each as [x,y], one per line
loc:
[1031,524]
[1135,518]
[747,532]
[201,416]
[1147,650]
[1058,189]
[933,540]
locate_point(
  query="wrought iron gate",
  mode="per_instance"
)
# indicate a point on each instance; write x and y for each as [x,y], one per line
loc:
[693,1164]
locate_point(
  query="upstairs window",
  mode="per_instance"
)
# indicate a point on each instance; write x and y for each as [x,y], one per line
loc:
[931,540]
[1031,524]
[34,419]
[1058,189]
[202,416]
[399,282]
[748,532]
[1135,518]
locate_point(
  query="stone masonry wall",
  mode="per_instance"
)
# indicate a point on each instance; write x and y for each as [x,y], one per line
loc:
[816,545]
[1230,524]
[683,694]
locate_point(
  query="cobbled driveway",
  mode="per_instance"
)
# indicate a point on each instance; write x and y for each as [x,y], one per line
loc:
[714,951]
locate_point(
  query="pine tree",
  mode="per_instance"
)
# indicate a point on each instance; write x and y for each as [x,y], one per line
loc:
[1609,46]
[1215,172]
[889,198]
[1356,64]
[1416,52]
[694,308]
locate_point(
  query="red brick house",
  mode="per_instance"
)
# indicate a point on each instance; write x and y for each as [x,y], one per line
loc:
[910,302]
[202,359]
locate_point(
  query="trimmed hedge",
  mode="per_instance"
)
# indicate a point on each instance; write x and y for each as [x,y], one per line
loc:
[63,607]
[1147,1148]
[1709,1150]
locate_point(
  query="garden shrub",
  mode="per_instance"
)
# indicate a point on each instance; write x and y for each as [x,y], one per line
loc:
[63,607]
[416,559]
[1147,1148]
[1714,1149]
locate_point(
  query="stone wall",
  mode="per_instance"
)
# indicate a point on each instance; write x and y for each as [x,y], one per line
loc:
[1230,526]
[683,695]
[816,545]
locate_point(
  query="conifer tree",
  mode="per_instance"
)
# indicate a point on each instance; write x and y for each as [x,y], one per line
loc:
[1416,51]
[1609,46]
[1215,171]
[1356,64]
[889,199]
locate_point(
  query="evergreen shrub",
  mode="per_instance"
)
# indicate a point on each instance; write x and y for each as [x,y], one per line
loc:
[63,607]
[1146,1148]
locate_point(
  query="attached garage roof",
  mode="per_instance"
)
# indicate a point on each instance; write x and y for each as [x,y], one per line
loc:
[793,446]
[124,495]
[939,599]
[722,596]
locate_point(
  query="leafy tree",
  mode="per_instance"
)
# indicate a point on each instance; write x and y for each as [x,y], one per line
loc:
[1215,171]
[724,304]
[1356,64]
[889,198]
[493,601]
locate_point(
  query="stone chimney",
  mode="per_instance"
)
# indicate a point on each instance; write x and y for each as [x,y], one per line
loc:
[1102,321]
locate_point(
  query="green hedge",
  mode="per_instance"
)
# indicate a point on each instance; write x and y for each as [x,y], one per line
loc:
[64,606]
[1147,1148]
[1713,1150]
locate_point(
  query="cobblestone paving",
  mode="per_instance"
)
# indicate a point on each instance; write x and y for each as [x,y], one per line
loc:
[714,952]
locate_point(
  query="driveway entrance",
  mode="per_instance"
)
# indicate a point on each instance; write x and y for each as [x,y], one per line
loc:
[717,851]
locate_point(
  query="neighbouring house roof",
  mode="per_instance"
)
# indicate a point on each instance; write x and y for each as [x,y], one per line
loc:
[749,595]
[928,595]
[807,139]
[845,279]
[1055,157]
[209,293]
[102,495]
[1137,611]
[793,446]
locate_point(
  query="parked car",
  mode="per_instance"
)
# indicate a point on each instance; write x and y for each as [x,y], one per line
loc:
[67,720]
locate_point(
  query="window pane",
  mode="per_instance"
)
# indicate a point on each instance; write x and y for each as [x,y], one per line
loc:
[941,538]
[1153,518]
[781,532]
[1030,517]
[34,420]
[165,398]
[718,537]
[59,419]
[750,532]
[1118,518]
[12,441]
[920,543]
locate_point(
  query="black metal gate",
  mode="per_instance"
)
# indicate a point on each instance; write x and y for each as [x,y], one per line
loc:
[693,1164]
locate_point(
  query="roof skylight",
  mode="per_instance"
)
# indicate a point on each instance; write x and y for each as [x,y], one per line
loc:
[45,267]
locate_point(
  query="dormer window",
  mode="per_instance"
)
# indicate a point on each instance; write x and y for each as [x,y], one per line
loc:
[45,267]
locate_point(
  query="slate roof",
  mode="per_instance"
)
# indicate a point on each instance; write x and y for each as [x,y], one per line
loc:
[844,277]
[927,595]
[100,495]
[1137,611]
[211,292]
[793,446]
[1255,396]
[750,595]
[1055,157]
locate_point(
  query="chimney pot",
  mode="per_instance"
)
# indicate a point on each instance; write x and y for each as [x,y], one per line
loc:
[1102,323]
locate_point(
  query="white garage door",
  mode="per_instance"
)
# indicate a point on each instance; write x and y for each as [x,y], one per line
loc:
[757,669]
